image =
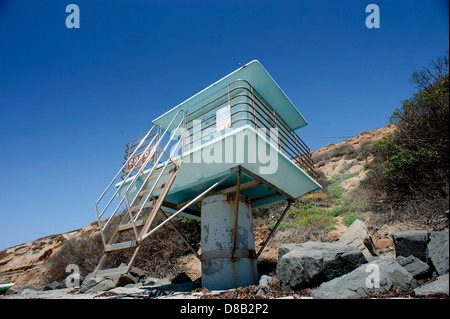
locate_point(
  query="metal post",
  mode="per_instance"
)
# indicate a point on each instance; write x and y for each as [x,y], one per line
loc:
[236,212]
[275,228]
[180,234]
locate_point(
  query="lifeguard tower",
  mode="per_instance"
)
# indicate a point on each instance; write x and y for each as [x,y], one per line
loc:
[227,149]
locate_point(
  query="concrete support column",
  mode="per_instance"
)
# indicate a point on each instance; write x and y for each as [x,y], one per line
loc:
[221,270]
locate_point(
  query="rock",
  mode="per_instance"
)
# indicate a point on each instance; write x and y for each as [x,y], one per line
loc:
[10,292]
[438,286]
[413,243]
[181,279]
[383,274]
[136,285]
[437,251]
[25,290]
[104,285]
[89,282]
[151,281]
[417,268]
[137,272]
[265,280]
[54,285]
[284,249]
[309,264]
[260,292]
[157,293]
[126,279]
[358,235]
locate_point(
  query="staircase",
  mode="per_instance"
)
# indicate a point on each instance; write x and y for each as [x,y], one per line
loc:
[147,178]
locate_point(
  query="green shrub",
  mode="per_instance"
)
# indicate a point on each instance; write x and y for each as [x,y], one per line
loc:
[350,217]
[413,162]
[334,189]
[159,254]
[305,214]
[337,210]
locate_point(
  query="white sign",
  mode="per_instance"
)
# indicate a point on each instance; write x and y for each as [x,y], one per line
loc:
[138,160]
[223,118]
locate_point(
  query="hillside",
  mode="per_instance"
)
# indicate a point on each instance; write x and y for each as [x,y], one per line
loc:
[341,166]
[25,264]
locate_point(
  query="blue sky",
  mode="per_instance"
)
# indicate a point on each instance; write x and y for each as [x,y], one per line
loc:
[70,99]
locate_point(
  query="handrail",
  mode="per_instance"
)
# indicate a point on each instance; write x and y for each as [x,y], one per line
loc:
[153,169]
[158,178]
[116,191]
[150,140]
[262,115]
[123,166]
[259,113]
[133,182]
[137,147]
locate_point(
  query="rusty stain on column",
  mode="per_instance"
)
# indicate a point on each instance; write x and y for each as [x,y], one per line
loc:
[223,268]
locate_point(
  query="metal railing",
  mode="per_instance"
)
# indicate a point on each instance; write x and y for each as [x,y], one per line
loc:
[247,106]
[149,142]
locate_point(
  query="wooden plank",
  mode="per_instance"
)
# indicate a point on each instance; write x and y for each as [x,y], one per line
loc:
[137,224]
[144,192]
[137,208]
[121,246]
[158,204]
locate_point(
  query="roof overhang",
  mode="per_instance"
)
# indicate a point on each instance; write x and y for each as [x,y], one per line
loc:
[260,79]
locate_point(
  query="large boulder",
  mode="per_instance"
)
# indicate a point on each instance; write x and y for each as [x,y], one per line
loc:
[99,283]
[309,264]
[106,279]
[52,286]
[358,235]
[411,243]
[437,251]
[25,290]
[383,274]
[438,286]
[284,249]
[126,279]
[105,284]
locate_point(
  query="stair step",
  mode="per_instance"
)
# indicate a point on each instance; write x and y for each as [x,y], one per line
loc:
[153,178]
[112,271]
[137,208]
[137,224]
[157,188]
[121,246]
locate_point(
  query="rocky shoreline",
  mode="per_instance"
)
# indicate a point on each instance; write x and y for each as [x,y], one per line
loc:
[348,269]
